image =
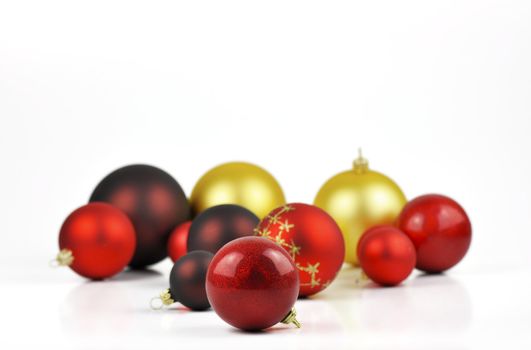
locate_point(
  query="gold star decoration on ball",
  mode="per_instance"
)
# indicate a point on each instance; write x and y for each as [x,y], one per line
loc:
[284,226]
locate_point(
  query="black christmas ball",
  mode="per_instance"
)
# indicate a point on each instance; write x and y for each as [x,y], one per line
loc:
[154,202]
[218,225]
[187,280]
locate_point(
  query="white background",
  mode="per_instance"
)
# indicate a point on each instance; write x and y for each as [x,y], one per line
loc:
[438,94]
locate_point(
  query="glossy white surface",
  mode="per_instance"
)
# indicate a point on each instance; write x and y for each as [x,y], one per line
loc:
[51,308]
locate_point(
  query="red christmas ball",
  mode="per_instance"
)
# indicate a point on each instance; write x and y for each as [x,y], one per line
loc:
[386,255]
[154,202]
[177,241]
[440,230]
[97,241]
[312,239]
[252,284]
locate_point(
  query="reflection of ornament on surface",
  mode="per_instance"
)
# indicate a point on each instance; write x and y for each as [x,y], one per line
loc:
[291,247]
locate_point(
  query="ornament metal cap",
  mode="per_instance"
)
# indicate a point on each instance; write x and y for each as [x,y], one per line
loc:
[164,299]
[360,164]
[291,317]
[63,258]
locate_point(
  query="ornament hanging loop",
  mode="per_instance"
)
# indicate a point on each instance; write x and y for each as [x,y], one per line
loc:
[156,303]
[361,164]
[63,258]
[291,317]
[164,299]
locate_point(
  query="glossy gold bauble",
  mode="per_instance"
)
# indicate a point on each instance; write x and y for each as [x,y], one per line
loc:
[239,183]
[359,199]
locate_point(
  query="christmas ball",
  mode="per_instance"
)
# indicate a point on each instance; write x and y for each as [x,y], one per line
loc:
[187,282]
[312,239]
[358,199]
[97,241]
[154,202]
[177,241]
[218,225]
[239,183]
[252,284]
[440,229]
[386,255]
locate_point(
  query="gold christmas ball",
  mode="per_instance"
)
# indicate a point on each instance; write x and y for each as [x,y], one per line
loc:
[239,183]
[359,199]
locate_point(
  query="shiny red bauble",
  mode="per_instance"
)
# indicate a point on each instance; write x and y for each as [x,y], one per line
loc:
[440,229]
[154,202]
[252,283]
[386,255]
[177,241]
[312,239]
[100,238]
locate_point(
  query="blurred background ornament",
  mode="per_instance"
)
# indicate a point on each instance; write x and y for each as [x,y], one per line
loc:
[187,282]
[154,202]
[312,239]
[386,255]
[96,240]
[177,241]
[218,225]
[440,229]
[238,183]
[358,199]
[252,284]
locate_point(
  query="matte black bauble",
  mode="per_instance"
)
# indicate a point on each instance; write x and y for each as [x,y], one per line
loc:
[218,225]
[187,280]
[154,202]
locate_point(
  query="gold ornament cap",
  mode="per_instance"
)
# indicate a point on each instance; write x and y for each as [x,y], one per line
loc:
[164,299]
[291,317]
[63,258]
[360,164]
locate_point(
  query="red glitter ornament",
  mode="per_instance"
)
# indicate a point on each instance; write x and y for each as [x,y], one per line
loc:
[252,284]
[386,255]
[97,241]
[312,239]
[177,241]
[440,230]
